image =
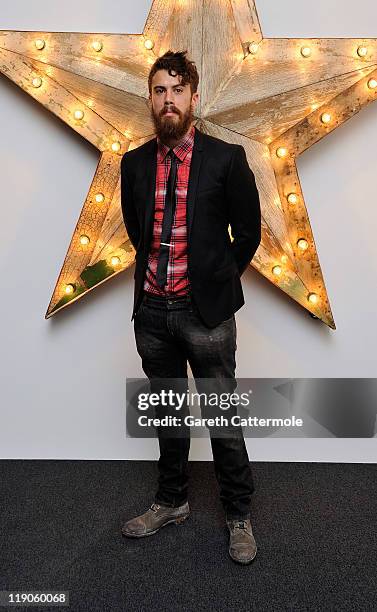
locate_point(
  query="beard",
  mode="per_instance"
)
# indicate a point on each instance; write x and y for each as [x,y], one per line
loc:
[172,128]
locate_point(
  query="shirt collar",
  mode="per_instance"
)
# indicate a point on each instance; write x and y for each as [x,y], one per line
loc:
[180,150]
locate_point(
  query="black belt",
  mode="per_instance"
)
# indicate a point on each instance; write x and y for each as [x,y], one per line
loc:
[167,299]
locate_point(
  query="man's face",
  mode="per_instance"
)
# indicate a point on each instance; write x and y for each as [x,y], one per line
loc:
[172,106]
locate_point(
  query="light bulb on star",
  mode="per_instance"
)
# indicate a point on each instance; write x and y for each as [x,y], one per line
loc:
[306,51]
[282,152]
[40,44]
[362,51]
[253,48]
[313,298]
[292,198]
[326,117]
[79,114]
[302,244]
[97,46]
[69,288]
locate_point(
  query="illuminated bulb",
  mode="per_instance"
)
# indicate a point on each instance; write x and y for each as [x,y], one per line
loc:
[362,51]
[40,44]
[97,45]
[79,114]
[325,117]
[37,82]
[115,146]
[99,197]
[148,44]
[292,198]
[284,258]
[302,244]
[306,51]
[372,84]
[253,48]
[313,298]
[84,239]
[115,261]
[69,288]
[276,270]
[281,152]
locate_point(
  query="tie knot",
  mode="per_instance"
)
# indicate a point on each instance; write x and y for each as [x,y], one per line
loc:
[172,155]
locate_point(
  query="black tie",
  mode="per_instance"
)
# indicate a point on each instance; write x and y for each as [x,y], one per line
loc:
[167,222]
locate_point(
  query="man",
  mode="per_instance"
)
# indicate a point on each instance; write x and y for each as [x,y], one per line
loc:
[179,194]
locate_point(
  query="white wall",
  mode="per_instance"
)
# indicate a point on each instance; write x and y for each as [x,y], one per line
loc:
[63,380]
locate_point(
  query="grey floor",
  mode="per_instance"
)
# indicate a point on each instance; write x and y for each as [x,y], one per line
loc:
[315,525]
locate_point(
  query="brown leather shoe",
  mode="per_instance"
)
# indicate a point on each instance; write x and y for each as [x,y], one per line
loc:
[242,546]
[154,518]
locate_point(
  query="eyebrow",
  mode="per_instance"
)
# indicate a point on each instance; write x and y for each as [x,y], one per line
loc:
[163,86]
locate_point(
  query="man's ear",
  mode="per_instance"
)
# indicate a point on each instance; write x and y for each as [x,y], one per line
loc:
[195,101]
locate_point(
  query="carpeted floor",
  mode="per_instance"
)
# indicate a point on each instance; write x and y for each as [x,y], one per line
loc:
[315,526]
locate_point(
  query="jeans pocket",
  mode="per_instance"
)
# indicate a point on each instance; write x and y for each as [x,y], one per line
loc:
[192,307]
[230,319]
[141,307]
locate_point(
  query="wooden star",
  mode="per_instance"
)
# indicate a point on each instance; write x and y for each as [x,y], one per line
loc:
[275,97]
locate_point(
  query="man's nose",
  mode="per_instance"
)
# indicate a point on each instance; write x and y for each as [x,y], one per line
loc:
[169,98]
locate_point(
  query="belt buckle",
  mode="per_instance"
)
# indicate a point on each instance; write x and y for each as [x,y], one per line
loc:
[177,299]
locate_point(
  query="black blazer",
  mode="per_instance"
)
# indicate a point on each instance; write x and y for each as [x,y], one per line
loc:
[221,191]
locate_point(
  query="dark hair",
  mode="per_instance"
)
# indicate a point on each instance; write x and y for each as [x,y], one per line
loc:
[179,64]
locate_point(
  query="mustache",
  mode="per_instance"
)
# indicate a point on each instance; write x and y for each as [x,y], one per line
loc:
[171,110]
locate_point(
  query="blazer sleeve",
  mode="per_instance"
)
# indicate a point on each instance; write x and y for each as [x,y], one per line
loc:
[244,209]
[129,213]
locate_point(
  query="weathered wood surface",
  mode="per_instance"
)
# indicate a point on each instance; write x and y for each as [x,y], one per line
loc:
[272,98]
[90,223]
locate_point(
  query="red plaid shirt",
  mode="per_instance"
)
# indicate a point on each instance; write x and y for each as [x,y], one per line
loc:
[177,280]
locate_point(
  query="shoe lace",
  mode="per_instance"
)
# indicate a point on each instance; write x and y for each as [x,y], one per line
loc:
[240,524]
[155,507]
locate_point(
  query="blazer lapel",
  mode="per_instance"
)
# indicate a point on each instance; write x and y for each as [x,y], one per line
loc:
[196,160]
[150,181]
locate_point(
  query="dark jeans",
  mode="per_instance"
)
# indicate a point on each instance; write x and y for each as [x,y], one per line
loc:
[168,333]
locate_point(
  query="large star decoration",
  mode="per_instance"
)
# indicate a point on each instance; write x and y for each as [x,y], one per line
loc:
[275,97]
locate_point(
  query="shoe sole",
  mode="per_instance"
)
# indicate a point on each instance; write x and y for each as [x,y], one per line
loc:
[178,521]
[243,562]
